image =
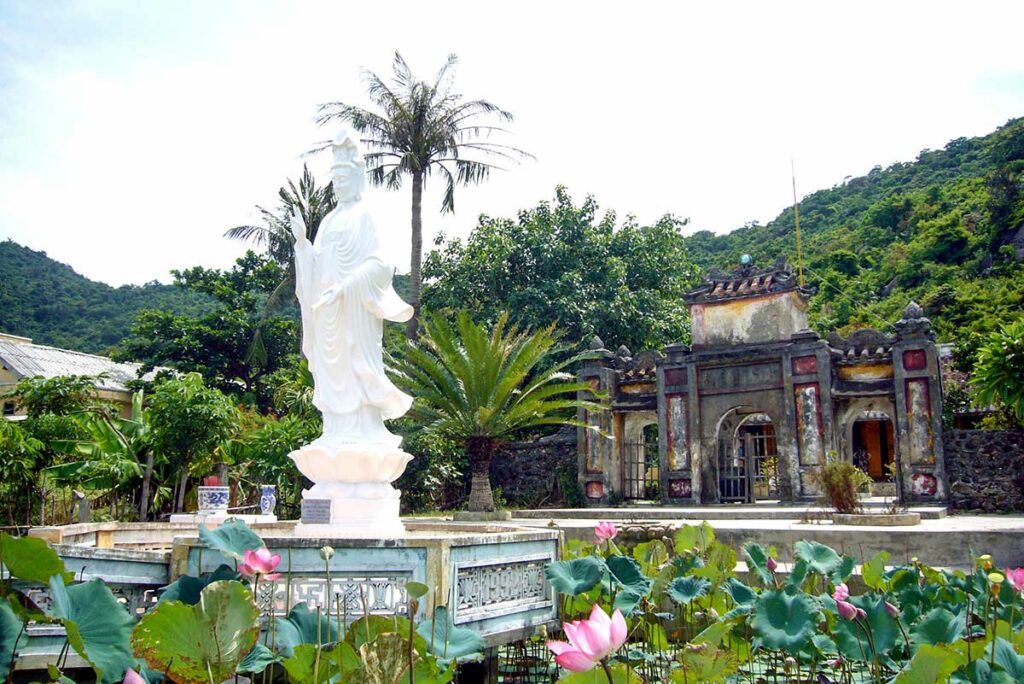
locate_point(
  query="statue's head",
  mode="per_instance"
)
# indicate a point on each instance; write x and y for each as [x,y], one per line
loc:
[348,170]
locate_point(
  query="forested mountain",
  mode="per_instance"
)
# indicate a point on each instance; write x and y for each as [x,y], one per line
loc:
[946,230]
[47,301]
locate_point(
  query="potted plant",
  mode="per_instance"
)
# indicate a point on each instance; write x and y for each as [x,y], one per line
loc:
[840,482]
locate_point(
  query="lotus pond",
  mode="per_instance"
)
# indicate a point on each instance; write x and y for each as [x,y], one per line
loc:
[677,610]
[683,609]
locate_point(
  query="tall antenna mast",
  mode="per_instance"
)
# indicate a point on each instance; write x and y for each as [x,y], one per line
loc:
[796,218]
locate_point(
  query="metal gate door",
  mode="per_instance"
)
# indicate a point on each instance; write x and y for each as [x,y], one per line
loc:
[634,470]
[733,476]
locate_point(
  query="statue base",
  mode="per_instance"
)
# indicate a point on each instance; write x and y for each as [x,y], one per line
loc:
[352,494]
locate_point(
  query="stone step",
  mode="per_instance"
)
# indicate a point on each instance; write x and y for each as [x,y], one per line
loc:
[719,512]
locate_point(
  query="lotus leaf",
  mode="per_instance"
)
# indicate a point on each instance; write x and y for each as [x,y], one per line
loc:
[204,642]
[232,538]
[449,642]
[575,576]
[31,559]
[683,590]
[820,558]
[98,627]
[784,621]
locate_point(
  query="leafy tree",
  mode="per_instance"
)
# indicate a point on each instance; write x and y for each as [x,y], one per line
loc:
[999,372]
[114,453]
[559,263]
[423,128]
[61,395]
[477,387]
[218,345]
[19,451]
[188,421]
[312,203]
[51,406]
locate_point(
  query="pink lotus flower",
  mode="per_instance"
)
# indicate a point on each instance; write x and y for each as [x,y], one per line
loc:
[773,564]
[590,641]
[847,611]
[862,614]
[1016,579]
[892,610]
[260,563]
[605,531]
[841,593]
[133,677]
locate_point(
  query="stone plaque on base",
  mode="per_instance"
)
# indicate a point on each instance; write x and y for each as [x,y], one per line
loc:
[316,511]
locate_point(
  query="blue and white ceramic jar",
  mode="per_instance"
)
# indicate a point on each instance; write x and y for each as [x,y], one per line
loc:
[268,499]
[214,499]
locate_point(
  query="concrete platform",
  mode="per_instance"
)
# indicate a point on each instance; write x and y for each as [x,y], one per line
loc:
[950,542]
[756,511]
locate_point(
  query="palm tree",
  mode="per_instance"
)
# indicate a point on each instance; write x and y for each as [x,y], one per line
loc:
[424,128]
[274,237]
[479,388]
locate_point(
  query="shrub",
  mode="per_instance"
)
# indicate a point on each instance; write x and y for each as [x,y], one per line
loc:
[839,482]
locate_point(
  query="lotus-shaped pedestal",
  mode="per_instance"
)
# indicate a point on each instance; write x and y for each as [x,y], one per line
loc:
[351,463]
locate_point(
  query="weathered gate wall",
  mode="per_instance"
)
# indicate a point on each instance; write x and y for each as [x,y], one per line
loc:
[985,469]
[538,473]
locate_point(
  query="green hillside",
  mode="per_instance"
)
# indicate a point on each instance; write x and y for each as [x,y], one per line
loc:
[47,301]
[946,230]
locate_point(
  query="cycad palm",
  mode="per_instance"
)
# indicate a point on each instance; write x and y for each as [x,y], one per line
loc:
[424,128]
[479,388]
[274,237]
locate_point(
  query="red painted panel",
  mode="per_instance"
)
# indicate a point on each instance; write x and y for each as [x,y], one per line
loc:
[675,376]
[595,489]
[915,359]
[804,365]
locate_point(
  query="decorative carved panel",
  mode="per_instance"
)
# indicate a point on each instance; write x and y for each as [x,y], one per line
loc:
[348,596]
[490,588]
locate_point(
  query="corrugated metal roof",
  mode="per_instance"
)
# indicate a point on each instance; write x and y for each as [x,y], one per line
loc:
[31,360]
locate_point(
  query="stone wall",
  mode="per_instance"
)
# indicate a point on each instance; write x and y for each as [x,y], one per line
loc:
[538,473]
[985,469]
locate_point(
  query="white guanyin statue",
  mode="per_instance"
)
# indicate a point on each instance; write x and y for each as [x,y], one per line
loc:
[344,289]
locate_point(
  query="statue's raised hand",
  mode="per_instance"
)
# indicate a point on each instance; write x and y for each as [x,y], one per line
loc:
[298,227]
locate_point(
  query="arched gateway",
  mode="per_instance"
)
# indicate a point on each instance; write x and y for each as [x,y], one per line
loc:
[759,401]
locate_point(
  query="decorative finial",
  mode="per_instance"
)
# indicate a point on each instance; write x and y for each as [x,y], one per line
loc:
[624,352]
[913,311]
[745,260]
[596,344]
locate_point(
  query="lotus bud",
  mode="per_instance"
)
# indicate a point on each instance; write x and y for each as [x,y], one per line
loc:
[847,611]
[837,663]
[543,632]
[789,664]
[696,648]
[861,614]
[712,613]
[773,564]
[892,610]
[327,552]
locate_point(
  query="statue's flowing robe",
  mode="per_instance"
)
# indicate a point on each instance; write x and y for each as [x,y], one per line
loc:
[342,340]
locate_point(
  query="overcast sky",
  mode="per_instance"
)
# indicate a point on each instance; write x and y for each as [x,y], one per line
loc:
[132,134]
